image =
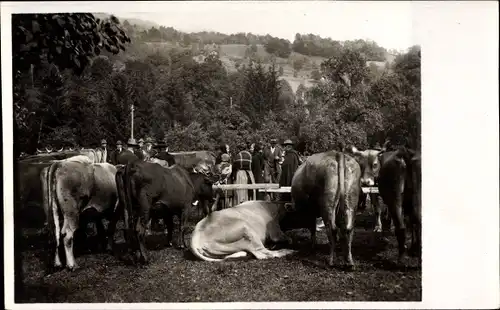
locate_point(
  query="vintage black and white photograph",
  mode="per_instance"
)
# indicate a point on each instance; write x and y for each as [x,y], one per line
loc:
[217,152]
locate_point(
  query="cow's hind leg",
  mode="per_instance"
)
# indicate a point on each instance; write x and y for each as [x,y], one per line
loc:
[70,225]
[168,219]
[396,211]
[141,225]
[377,209]
[257,248]
[328,210]
[349,214]
[114,217]
[416,229]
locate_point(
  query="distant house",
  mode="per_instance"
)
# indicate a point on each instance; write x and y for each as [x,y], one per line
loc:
[201,58]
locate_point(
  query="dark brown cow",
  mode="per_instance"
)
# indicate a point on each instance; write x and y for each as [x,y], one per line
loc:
[29,194]
[328,185]
[399,187]
[147,188]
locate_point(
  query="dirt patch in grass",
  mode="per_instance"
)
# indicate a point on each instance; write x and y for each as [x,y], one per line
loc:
[176,276]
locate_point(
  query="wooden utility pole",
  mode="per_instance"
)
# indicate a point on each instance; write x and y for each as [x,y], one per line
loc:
[132,121]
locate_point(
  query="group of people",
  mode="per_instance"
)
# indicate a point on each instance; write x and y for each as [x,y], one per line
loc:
[258,163]
[142,149]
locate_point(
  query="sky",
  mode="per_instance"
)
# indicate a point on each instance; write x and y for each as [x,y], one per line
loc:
[387,23]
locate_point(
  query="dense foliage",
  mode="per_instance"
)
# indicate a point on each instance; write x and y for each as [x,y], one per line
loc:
[200,104]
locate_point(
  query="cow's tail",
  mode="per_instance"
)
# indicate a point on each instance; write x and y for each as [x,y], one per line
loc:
[196,245]
[128,197]
[120,200]
[341,176]
[53,221]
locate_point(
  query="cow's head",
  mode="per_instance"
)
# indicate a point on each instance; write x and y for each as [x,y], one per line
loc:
[369,161]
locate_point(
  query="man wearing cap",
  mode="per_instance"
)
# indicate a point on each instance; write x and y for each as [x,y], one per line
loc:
[291,162]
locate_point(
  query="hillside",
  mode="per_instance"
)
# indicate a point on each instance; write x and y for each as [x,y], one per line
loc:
[160,39]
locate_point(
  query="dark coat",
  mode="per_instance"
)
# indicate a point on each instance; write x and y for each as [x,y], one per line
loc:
[290,165]
[270,157]
[163,155]
[258,167]
[125,157]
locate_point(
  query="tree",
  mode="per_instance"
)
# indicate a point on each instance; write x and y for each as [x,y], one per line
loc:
[67,41]
[298,64]
[315,75]
[278,47]
[349,69]
[281,71]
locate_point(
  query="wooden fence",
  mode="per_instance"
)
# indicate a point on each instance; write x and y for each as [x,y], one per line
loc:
[269,188]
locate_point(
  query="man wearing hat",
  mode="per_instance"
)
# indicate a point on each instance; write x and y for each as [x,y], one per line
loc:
[290,164]
[138,151]
[116,152]
[104,151]
[148,149]
[272,158]
[163,154]
[127,155]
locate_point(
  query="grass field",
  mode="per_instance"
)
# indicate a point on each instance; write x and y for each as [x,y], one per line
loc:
[176,276]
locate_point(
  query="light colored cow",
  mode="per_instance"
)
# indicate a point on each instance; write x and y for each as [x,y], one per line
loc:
[237,231]
[328,185]
[369,161]
[71,187]
[97,155]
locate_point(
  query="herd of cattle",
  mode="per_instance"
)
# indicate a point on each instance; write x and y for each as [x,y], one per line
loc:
[67,185]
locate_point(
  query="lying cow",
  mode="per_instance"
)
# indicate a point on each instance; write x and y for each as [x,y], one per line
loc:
[328,185]
[237,231]
[147,189]
[74,186]
[400,188]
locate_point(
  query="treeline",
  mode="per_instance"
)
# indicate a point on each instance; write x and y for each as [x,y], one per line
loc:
[306,44]
[201,105]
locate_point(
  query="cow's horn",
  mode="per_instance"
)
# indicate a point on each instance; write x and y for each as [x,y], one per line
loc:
[386,143]
[214,206]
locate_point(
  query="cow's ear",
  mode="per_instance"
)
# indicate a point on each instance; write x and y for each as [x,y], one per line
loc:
[353,150]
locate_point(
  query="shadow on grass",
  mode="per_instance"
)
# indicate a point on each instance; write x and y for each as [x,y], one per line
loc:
[40,293]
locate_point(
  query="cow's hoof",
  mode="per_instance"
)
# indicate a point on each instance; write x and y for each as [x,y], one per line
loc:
[109,248]
[73,268]
[415,251]
[377,229]
[169,244]
[350,267]
[402,260]
[331,262]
